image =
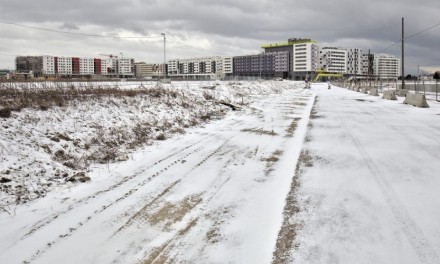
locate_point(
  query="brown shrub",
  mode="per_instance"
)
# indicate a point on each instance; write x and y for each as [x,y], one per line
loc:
[5,112]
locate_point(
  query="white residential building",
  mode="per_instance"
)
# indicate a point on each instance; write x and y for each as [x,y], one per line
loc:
[354,61]
[86,66]
[199,68]
[305,57]
[386,66]
[228,65]
[125,66]
[333,59]
[48,65]
[64,65]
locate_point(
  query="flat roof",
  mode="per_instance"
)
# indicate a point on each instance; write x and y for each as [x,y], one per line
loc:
[288,43]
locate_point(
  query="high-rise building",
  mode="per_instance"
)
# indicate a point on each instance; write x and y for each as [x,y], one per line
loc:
[333,59]
[354,61]
[86,66]
[302,57]
[125,67]
[49,65]
[386,66]
[64,65]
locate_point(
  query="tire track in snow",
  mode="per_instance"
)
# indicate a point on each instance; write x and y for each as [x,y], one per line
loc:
[144,209]
[421,246]
[162,253]
[124,180]
[71,230]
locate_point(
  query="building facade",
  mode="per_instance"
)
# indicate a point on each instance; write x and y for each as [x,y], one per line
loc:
[333,60]
[64,65]
[386,66]
[354,61]
[148,70]
[302,57]
[264,65]
[203,68]
[74,66]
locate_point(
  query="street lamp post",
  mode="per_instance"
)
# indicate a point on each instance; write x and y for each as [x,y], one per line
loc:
[164,57]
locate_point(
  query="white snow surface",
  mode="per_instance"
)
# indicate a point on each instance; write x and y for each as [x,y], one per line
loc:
[372,194]
[216,194]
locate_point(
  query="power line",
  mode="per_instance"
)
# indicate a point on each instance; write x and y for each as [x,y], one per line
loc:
[102,36]
[194,47]
[420,32]
[410,36]
[77,34]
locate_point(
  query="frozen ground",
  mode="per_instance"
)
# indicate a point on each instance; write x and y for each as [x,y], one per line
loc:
[295,176]
[371,193]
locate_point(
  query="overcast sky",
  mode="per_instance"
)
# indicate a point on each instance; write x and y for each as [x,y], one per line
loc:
[220,27]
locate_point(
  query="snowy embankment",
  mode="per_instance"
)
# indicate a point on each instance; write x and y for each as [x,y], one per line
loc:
[54,133]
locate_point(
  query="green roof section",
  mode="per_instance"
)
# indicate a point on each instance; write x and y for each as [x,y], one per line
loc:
[291,42]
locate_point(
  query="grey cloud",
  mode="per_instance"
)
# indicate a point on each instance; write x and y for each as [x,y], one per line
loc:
[229,26]
[69,26]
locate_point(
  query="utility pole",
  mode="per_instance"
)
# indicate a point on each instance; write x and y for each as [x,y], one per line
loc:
[164,57]
[403,53]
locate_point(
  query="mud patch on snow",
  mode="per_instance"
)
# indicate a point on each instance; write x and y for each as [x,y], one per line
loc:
[259,131]
[292,127]
[161,254]
[314,112]
[142,213]
[286,241]
[270,162]
[217,218]
[170,213]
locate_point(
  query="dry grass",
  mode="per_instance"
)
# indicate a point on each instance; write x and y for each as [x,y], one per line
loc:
[16,98]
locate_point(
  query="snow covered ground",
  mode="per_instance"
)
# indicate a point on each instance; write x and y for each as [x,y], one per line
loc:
[294,176]
[372,192]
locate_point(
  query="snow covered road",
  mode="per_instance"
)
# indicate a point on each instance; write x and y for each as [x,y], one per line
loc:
[372,193]
[215,195]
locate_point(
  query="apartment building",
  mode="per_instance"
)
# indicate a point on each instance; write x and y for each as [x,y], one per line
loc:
[354,61]
[265,65]
[302,57]
[49,65]
[386,66]
[125,67]
[203,68]
[228,65]
[64,65]
[86,66]
[148,70]
[333,59]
